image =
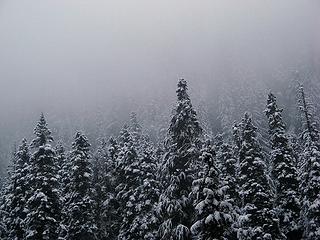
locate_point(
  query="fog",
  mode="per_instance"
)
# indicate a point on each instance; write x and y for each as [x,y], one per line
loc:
[74,58]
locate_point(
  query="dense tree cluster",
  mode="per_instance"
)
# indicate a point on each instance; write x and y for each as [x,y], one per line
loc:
[237,185]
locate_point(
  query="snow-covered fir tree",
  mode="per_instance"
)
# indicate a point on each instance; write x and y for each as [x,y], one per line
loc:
[100,186]
[135,128]
[111,207]
[310,126]
[128,179]
[137,191]
[258,219]
[147,193]
[42,132]
[80,204]
[311,192]
[229,172]
[213,211]
[16,194]
[284,171]
[310,159]
[63,163]
[44,209]
[175,204]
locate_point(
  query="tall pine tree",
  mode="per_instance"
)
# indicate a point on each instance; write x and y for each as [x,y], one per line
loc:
[258,218]
[213,211]
[17,194]
[80,205]
[284,171]
[311,171]
[175,204]
[43,205]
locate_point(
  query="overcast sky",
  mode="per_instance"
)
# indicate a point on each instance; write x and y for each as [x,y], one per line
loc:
[73,54]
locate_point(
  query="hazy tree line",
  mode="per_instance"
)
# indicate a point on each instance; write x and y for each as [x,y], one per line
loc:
[246,183]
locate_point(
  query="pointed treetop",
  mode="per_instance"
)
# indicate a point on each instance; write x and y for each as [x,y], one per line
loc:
[59,147]
[23,146]
[125,136]
[182,90]
[273,114]
[249,130]
[307,109]
[23,154]
[134,123]
[42,132]
[81,142]
[184,128]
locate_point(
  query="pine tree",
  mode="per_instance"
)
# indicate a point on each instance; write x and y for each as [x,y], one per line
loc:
[64,166]
[310,125]
[311,171]
[102,186]
[230,185]
[17,192]
[258,220]
[42,132]
[3,213]
[140,196]
[175,205]
[64,180]
[138,188]
[5,195]
[311,192]
[213,211]
[284,171]
[80,205]
[111,207]
[135,128]
[43,205]
[229,172]
[61,161]
[128,181]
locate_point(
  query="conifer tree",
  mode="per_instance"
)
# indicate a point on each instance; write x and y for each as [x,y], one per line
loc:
[284,171]
[311,192]
[17,194]
[310,129]
[310,159]
[213,211]
[64,171]
[138,189]
[111,207]
[141,194]
[43,205]
[42,132]
[102,186]
[135,128]
[80,205]
[127,180]
[258,220]
[61,161]
[175,205]
[5,194]
[229,172]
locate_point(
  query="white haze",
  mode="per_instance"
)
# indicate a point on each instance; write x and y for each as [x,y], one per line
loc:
[67,57]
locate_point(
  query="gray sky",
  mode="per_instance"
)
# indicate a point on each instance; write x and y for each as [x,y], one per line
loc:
[69,55]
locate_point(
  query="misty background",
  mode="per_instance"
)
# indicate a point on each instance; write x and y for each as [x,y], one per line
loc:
[88,64]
